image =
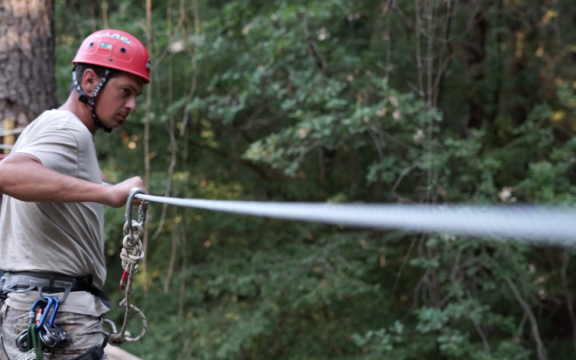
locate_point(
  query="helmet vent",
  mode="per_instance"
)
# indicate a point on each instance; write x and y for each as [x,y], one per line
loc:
[122,50]
[91,44]
[109,59]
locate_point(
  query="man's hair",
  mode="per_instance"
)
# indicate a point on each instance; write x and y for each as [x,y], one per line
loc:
[80,68]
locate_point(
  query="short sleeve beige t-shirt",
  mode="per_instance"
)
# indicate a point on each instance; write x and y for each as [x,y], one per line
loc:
[67,238]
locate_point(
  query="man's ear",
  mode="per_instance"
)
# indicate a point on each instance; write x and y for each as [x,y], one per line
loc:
[89,81]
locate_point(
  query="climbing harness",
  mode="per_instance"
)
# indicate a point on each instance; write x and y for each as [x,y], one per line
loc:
[131,255]
[48,335]
[41,335]
[25,281]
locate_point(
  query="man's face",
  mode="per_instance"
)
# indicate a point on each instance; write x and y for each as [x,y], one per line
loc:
[118,99]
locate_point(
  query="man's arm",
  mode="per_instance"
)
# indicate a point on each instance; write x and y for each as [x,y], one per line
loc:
[22,176]
[1,192]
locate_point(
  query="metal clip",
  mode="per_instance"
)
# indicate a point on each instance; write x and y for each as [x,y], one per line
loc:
[22,341]
[141,211]
[53,335]
[51,302]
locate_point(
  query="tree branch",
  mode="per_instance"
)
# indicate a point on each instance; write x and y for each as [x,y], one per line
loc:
[541,349]
[394,288]
[569,299]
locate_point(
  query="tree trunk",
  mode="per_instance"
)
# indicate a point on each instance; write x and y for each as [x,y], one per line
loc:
[27,82]
[475,55]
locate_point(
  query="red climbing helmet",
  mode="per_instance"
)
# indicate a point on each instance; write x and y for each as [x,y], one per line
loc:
[115,49]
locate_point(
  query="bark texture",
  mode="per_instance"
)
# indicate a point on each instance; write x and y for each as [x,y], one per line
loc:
[27,82]
[475,55]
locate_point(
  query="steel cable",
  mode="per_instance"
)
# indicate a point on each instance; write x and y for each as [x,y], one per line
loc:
[536,224]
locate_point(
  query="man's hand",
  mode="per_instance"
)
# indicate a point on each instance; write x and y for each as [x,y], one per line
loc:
[118,194]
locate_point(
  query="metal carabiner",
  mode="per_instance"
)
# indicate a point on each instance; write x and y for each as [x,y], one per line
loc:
[50,301]
[32,311]
[54,310]
[141,210]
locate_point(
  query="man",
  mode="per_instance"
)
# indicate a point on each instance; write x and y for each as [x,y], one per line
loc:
[51,220]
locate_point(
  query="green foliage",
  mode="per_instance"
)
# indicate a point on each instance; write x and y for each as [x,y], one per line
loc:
[343,101]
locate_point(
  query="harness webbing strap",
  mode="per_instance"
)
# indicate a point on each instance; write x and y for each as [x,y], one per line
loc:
[91,100]
[20,282]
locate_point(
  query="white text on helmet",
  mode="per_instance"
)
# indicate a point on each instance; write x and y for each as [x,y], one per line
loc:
[115,36]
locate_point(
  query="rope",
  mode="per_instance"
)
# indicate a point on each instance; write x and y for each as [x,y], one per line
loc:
[536,224]
[132,252]
[33,341]
[131,255]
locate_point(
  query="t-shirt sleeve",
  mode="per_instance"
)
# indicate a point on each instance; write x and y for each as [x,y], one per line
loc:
[57,149]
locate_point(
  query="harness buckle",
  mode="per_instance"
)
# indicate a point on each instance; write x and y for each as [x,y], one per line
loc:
[84,98]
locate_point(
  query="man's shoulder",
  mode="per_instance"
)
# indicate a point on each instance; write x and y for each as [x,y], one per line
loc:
[55,127]
[59,121]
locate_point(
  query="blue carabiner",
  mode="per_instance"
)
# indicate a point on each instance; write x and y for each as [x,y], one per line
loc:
[54,311]
[46,311]
[32,311]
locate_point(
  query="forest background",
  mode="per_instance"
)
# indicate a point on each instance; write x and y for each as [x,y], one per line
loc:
[420,101]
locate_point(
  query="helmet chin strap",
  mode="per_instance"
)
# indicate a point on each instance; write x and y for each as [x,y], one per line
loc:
[92,100]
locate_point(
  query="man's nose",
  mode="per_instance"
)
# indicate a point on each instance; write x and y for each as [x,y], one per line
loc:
[131,103]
